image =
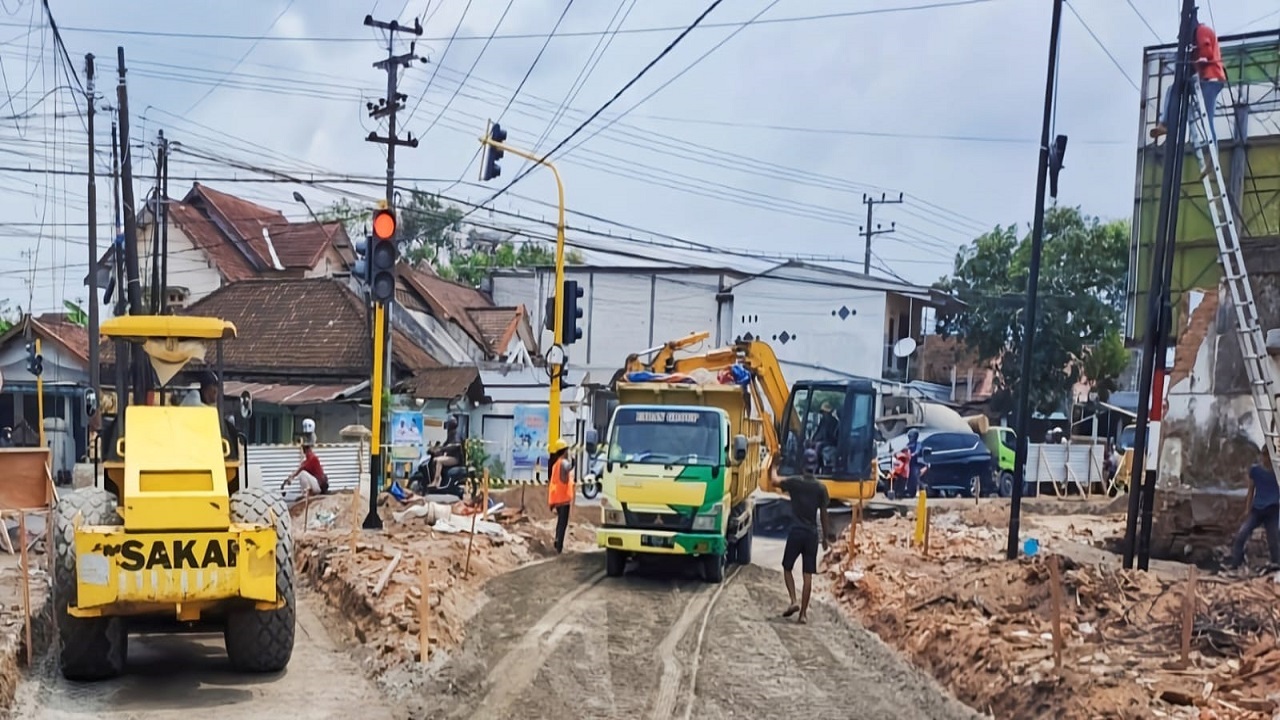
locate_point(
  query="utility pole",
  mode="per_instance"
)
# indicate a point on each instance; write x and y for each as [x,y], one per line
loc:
[117,240]
[386,107]
[95,381]
[1159,311]
[868,232]
[1023,420]
[155,231]
[164,224]
[139,381]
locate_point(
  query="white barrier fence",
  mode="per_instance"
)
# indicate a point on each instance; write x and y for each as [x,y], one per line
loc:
[344,463]
[1066,465]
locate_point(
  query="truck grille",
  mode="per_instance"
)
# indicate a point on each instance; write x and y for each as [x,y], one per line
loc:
[658,521]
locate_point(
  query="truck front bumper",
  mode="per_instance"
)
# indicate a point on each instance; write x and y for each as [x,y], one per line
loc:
[660,542]
[119,572]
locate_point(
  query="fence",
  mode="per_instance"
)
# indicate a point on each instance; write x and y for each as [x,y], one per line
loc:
[269,465]
[1066,466]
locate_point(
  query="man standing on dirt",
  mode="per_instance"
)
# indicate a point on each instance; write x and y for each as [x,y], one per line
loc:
[1264,510]
[310,475]
[809,500]
[560,488]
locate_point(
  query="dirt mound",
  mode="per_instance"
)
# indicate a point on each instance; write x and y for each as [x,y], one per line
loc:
[983,625]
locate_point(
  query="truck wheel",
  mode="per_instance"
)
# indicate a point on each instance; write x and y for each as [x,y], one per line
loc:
[1006,485]
[713,568]
[261,641]
[742,548]
[88,648]
[615,563]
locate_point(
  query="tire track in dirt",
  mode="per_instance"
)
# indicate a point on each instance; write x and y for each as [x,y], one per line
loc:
[518,669]
[664,702]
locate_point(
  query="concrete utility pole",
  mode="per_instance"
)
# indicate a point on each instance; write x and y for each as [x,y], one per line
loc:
[164,224]
[386,107]
[141,379]
[869,232]
[1023,417]
[95,381]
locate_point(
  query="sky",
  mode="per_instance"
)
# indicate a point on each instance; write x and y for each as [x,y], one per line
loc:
[759,131]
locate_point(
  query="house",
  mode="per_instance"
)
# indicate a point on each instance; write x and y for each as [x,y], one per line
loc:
[215,239]
[458,323]
[65,352]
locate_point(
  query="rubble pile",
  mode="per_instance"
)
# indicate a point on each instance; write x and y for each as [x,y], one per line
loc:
[983,625]
[374,582]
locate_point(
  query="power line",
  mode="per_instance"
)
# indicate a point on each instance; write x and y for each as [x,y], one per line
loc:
[536,58]
[1100,44]
[1143,18]
[670,46]
[470,70]
[246,54]
[443,54]
[514,36]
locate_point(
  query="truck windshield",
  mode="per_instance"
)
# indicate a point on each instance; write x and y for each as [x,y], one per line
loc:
[656,436]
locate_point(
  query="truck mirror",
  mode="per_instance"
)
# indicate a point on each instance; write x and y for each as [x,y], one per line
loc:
[592,440]
[90,403]
[739,448]
[926,453]
[246,405]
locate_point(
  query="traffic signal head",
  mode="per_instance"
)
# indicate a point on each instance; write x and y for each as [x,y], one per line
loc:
[383,255]
[361,266]
[35,360]
[492,155]
[570,328]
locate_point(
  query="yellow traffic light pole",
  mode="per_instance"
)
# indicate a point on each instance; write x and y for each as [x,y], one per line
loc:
[553,429]
[40,399]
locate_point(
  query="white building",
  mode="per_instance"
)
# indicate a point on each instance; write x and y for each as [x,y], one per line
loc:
[821,318]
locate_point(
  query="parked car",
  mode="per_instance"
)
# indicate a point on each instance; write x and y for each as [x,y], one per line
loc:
[959,463]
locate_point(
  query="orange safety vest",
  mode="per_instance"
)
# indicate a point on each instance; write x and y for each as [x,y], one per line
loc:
[560,491]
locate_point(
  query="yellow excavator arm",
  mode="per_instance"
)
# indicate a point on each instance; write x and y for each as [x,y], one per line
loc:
[768,386]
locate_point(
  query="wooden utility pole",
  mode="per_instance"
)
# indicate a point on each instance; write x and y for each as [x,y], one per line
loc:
[95,381]
[134,282]
[164,224]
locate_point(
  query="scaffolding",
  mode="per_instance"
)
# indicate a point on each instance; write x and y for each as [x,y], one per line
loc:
[1247,121]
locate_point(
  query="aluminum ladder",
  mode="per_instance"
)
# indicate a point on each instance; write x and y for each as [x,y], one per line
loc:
[1253,346]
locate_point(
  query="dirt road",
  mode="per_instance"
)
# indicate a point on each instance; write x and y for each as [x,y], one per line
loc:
[181,677]
[559,640]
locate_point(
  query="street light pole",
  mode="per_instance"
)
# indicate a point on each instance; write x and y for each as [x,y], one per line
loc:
[1023,420]
[553,423]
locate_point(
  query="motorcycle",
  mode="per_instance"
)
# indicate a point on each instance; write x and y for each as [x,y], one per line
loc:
[591,484]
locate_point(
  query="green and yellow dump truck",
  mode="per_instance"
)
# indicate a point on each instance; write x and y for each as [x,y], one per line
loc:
[681,462]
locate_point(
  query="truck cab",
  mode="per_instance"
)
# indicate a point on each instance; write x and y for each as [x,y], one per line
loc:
[678,475]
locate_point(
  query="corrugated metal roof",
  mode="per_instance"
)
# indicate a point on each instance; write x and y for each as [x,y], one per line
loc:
[274,394]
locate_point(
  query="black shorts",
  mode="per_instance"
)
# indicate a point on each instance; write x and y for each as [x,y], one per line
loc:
[801,543]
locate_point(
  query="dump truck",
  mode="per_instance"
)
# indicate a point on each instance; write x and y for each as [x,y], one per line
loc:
[693,438]
[171,534]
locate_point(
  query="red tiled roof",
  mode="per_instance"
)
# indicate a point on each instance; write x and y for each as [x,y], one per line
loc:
[312,327]
[229,261]
[498,325]
[446,383]
[288,394]
[55,327]
[246,219]
[448,300]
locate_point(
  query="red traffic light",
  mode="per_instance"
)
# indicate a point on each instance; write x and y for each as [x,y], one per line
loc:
[384,224]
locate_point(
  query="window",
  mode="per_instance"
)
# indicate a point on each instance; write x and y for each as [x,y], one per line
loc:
[265,429]
[661,436]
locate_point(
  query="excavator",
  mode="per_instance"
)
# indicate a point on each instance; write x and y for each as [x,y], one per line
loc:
[693,437]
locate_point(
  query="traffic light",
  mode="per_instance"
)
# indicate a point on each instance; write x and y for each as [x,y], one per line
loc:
[35,360]
[382,257]
[360,269]
[1056,153]
[492,155]
[570,330]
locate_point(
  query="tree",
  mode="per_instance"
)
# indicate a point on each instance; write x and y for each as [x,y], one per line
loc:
[427,229]
[1084,263]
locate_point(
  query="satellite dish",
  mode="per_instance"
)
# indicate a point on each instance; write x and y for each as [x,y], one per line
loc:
[904,347]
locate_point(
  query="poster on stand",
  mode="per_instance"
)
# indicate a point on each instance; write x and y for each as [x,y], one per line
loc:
[406,428]
[529,445]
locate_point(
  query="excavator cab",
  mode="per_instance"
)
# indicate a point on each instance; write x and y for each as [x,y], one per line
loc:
[828,429]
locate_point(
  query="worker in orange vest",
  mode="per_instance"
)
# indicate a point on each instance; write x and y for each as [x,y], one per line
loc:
[560,492]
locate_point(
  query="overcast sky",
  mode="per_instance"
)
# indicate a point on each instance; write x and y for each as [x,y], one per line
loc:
[767,143]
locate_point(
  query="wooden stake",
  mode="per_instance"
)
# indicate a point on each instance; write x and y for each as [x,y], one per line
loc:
[466,570]
[26,581]
[1188,614]
[484,499]
[386,573]
[1055,598]
[424,610]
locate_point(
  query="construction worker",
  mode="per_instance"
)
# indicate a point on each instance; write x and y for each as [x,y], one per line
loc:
[310,475]
[809,499]
[560,491]
[1263,503]
[1213,75]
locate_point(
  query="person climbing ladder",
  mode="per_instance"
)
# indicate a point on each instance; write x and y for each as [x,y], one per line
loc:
[1213,76]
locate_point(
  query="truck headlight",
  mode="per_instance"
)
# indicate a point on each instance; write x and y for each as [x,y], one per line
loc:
[707,522]
[614,517]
